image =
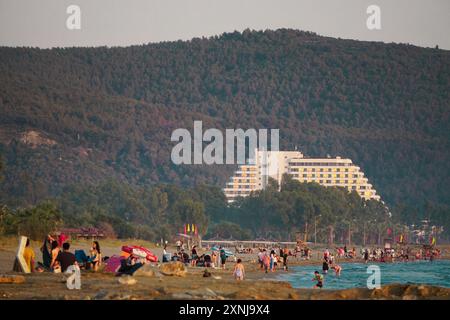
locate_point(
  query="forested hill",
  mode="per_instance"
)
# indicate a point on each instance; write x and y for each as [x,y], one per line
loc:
[82,115]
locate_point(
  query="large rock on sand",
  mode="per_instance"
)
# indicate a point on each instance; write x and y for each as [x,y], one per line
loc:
[173,269]
[145,271]
[127,280]
[11,279]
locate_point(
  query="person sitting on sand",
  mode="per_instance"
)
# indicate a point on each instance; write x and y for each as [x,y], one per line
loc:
[46,250]
[319,278]
[95,259]
[29,256]
[239,271]
[54,265]
[66,258]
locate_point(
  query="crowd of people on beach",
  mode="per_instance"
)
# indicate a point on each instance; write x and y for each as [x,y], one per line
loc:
[57,256]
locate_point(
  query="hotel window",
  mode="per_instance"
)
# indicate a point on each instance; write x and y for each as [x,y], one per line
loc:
[329,176]
[338,181]
[320,181]
[346,181]
[304,175]
[328,181]
[321,169]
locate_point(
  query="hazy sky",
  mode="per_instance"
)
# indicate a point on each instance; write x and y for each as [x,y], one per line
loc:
[42,23]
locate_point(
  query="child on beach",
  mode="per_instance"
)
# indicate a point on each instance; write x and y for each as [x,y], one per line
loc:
[319,278]
[272,261]
[239,271]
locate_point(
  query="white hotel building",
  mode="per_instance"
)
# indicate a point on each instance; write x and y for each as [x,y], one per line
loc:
[328,172]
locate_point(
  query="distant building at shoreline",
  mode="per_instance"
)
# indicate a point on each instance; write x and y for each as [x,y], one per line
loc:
[329,172]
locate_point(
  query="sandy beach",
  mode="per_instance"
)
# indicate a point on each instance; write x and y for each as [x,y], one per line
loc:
[193,285]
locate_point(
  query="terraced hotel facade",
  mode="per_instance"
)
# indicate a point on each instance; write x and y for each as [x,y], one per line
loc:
[329,172]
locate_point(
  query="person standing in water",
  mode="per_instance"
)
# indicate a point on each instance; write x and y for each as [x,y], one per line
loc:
[325,266]
[337,269]
[285,257]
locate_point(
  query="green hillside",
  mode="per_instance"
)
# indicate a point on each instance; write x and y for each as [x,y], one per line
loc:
[91,114]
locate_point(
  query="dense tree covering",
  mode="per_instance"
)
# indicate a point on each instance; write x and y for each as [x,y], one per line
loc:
[35,222]
[274,213]
[303,207]
[111,112]
[149,213]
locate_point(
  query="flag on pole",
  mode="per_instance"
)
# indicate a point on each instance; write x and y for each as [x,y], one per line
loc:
[188,228]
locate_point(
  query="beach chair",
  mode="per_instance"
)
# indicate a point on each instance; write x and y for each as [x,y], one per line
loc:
[81,258]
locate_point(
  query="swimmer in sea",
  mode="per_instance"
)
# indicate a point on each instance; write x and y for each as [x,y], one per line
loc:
[319,278]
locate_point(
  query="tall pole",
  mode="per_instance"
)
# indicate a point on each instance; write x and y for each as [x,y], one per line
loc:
[364,234]
[315,230]
[349,234]
[306,232]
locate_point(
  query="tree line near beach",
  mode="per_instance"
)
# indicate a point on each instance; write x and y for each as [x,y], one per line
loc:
[328,215]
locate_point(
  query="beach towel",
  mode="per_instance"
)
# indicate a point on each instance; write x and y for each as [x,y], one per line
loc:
[113,263]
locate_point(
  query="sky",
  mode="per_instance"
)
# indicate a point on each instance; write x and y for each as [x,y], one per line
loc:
[42,23]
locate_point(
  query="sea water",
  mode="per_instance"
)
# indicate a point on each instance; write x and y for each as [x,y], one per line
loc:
[354,275]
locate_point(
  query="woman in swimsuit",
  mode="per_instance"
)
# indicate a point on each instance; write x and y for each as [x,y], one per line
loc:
[95,258]
[54,265]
